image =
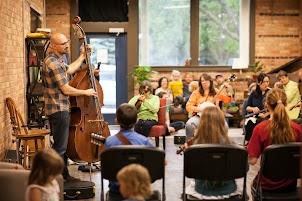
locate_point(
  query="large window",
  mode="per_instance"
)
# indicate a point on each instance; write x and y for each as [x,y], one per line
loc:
[218,31]
[164,32]
[221,38]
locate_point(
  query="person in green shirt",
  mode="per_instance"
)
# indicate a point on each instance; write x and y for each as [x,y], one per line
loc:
[292,92]
[147,105]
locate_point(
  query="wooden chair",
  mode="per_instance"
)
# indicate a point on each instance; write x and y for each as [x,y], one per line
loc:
[24,137]
[161,128]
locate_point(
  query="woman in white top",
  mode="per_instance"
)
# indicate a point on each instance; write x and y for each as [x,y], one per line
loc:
[42,185]
[163,84]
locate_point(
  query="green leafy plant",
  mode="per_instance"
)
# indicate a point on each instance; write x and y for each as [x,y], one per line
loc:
[258,66]
[142,73]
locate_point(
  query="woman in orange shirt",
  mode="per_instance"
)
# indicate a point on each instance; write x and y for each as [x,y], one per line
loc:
[205,93]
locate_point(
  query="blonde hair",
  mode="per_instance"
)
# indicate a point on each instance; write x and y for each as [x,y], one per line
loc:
[193,86]
[46,165]
[175,73]
[212,128]
[279,127]
[136,179]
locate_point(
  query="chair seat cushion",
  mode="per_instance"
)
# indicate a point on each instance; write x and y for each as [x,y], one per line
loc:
[157,130]
[270,195]
[232,198]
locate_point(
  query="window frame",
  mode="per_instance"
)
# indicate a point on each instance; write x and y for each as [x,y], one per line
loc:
[245,41]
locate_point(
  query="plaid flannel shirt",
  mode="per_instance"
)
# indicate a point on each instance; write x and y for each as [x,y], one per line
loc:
[54,76]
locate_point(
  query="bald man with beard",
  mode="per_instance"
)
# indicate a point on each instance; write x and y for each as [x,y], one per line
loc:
[56,74]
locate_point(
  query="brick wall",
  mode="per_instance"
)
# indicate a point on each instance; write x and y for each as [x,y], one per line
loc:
[278,32]
[58,16]
[14,23]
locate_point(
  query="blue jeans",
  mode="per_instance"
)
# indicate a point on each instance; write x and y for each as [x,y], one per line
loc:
[59,127]
[144,126]
[177,125]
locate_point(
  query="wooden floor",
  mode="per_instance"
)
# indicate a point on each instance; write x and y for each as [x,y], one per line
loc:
[173,169]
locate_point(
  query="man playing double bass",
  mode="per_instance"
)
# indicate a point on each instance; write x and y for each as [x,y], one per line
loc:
[56,74]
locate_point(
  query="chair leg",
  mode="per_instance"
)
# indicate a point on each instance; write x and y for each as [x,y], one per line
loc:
[164,142]
[157,141]
[25,157]
[36,145]
[18,147]
[42,143]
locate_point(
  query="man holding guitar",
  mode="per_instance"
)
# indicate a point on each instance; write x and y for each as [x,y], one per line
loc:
[223,89]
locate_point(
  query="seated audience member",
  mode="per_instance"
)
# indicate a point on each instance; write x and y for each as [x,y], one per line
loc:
[277,130]
[186,89]
[205,93]
[224,90]
[42,185]
[251,88]
[174,126]
[147,106]
[135,182]
[255,104]
[292,92]
[163,83]
[126,116]
[193,86]
[212,130]
[176,84]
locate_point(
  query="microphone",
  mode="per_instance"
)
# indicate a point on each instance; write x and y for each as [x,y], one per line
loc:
[99,65]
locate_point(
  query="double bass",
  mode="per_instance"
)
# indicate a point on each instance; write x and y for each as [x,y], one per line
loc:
[86,119]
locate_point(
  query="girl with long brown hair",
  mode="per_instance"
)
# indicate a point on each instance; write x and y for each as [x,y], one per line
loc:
[42,183]
[277,130]
[212,130]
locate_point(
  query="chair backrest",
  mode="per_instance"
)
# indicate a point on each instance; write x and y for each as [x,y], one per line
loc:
[15,117]
[281,161]
[13,184]
[215,162]
[151,158]
[162,111]
[7,165]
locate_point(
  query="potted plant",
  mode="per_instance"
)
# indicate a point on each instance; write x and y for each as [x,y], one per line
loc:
[141,73]
[258,66]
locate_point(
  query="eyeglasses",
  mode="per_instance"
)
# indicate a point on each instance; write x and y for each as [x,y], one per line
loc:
[64,43]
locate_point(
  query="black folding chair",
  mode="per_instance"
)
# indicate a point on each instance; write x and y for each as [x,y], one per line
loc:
[280,161]
[215,162]
[115,158]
